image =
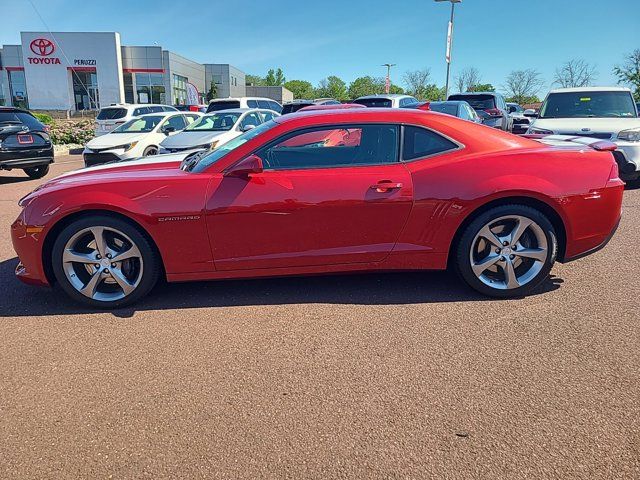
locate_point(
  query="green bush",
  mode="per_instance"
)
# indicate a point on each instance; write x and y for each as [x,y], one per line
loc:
[44,118]
[64,132]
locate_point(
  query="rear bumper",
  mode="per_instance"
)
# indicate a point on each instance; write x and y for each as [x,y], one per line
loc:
[10,159]
[597,247]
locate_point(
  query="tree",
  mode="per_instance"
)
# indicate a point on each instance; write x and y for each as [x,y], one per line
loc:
[482,87]
[629,72]
[433,93]
[367,85]
[417,82]
[213,91]
[332,87]
[467,79]
[254,80]
[300,89]
[575,73]
[274,78]
[395,89]
[522,85]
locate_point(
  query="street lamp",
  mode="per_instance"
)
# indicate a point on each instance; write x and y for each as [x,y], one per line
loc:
[449,42]
[387,84]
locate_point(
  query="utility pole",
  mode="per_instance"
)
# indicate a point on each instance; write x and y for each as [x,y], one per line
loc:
[449,43]
[387,83]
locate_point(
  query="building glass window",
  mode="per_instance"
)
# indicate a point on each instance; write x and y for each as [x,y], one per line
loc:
[150,88]
[18,89]
[85,90]
[128,88]
[179,84]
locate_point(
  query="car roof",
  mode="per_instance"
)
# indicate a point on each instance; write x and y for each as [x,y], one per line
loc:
[451,102]
[384,95]
[136,105]
[475,93]
[590,89]
[241,98]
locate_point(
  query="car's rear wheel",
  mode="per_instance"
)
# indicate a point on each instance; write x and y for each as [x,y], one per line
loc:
[104,262]
[37,172]
[150,151]
[507,251]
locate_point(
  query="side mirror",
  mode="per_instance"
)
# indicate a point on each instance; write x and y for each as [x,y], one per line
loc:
[168,129]
[245,167]
[246,128]
[512,109]
[530,112]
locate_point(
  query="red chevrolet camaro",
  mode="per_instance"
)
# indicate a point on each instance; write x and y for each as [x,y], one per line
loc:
[321,192]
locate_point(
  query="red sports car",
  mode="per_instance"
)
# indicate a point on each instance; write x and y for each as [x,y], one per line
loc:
[418,190]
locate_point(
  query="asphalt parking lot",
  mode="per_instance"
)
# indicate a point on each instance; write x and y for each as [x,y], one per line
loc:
[386,375]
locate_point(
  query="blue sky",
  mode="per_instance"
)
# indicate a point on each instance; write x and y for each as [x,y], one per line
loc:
[311,40]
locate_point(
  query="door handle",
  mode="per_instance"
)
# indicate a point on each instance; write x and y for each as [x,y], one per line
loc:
[385,186]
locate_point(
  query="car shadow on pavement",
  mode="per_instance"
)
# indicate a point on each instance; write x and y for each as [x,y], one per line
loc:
[6,180]
[354,289]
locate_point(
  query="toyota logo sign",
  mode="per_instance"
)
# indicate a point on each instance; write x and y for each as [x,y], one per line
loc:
[42,46]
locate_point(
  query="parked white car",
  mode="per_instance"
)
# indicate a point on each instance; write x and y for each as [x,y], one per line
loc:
[606,113]
[116,114]
[139,137]
[215,129]
[243,102]
[391,100]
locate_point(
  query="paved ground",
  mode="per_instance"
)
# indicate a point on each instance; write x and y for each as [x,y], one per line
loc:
[393,376]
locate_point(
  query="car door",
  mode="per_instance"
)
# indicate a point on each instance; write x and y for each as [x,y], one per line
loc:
[327,195]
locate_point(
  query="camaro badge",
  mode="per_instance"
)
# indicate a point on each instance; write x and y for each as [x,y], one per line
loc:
[178,219]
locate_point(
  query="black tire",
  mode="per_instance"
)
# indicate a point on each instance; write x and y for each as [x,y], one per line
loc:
[37,172]
[150,260]
[150,150]
[463,252]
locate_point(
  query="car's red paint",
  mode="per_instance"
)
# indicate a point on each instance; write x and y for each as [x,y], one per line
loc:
[210,225]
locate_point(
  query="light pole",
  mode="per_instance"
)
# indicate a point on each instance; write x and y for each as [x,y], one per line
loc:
[449,43]
[387,83]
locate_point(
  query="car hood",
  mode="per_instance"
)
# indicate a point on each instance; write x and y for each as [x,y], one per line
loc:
[190,139]
[115,139]
[578,125]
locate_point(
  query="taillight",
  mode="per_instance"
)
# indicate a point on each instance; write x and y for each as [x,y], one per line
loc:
[494,112]
[615,172]
[425,106]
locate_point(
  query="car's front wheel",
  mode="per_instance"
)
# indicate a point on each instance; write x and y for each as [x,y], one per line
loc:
[104,262]
[37,172]
[507,251]
[150,151]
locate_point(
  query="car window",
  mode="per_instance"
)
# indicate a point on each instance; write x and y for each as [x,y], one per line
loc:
[177,122]
[223,105]
[263,104]
[275,106]
[599,104]
[252,104]
[420,142]
[17,118]
[141,111]
[215,122]
[156,109]
[266,115]
[251,119]
[190,118]
[448,108]
[139,125]
[112,113]
[479,102]
[326,147]
[374,102]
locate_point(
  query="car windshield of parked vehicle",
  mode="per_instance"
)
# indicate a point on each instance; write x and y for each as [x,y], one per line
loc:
[218,122]
[478,102]
[140,125]
[374,102]
[111,113]
[515,108]
[448,108]
[18,118]
[588,104]
[294,107]
[200,163]
[223,105]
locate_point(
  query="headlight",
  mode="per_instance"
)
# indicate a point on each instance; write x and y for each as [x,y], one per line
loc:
[631,135]
[129,146]
[539,131]
[209,146]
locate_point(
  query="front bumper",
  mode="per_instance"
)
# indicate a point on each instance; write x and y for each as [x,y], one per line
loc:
[631,151]
[28,246]
[92,157]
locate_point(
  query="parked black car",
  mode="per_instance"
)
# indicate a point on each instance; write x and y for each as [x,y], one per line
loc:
[24,143]
[491,103]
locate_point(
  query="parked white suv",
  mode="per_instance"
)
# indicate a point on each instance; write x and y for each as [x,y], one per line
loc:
[391,100]
[606,113]
[243,102]
[118,113]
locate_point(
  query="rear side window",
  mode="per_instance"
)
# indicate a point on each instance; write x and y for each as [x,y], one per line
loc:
[157,108]
[252,104]
[327,147]
[375,102]
[275,106]
[111,113]
[478,102]
[17,118]
[225,105]
[141,111]
[263,104]
[419,142]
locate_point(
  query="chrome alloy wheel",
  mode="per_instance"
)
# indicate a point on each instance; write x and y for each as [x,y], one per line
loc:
[508,252]
[102,263]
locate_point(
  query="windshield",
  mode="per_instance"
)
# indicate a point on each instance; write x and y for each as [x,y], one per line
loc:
[140,125]
[374,102]
[200,164]
[18,118]
[215,123]
[478,102]
[588,104]
[448,108]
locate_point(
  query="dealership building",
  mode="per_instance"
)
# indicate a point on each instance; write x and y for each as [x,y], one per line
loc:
[73,71]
